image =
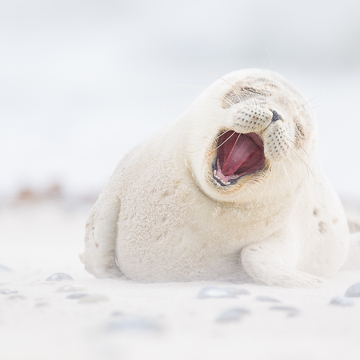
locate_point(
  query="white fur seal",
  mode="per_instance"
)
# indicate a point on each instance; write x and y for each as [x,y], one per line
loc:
[230,188]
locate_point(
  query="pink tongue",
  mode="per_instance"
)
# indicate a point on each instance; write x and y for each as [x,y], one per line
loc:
[236,152]
[239,154]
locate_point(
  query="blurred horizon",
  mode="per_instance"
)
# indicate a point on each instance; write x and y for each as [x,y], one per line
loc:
[82,82]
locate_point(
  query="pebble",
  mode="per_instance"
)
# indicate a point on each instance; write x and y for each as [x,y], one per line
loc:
[8,291]
[77,296]
[234,314]
[59,277]
[353,290]
[131,324]
[17,297]
[290,310]
[237,291]
[116,313]
[42,304]
[342,301]
[216,292]
[93,299]
[267,299]
[70,288]
[4,268]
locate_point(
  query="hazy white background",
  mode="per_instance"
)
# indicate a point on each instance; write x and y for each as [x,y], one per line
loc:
[81,82]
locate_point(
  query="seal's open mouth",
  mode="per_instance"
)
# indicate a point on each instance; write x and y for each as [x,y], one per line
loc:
[237,155]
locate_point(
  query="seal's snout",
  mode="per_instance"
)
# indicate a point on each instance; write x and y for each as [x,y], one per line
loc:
[237,155]
[253,119]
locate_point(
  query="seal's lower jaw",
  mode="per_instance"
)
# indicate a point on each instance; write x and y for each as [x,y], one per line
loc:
[237,155]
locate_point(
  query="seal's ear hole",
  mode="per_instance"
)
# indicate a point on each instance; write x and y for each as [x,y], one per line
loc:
[276,116]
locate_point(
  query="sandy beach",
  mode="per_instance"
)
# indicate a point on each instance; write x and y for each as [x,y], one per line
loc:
[87,318]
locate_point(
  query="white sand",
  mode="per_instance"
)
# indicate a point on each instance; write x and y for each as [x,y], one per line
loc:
[37,240]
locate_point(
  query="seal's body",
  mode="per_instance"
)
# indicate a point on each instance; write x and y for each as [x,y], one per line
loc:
[230,189]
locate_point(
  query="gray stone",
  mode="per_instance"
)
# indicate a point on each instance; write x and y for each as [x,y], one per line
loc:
[237,291]
[266,299]
[42,304]
[234,314]
[342,301]
[353,290]
[116,313]
[4,268]
[288,309]
[17,297]
[8,291]
[216,292]
[131,324]
[93,299]
[77,296]
[59,277]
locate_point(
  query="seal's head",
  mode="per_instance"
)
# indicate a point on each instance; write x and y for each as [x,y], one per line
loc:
[248,127]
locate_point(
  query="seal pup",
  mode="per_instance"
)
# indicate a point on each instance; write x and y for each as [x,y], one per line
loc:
[230,189]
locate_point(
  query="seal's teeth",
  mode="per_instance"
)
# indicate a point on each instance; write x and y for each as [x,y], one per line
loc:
[216,175]
[222,181]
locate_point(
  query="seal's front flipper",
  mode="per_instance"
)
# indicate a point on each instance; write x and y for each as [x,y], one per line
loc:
[100,237]
[274,263]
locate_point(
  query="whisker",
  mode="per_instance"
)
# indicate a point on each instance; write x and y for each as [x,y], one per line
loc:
[304,163]
[296,145]
[223,142]
[222,134]
[234,145]
[312,99]
[268,52]
[311,108]
[258,65]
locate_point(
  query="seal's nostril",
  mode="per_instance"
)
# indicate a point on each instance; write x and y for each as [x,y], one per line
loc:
[276,116]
